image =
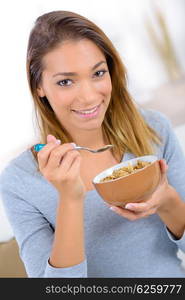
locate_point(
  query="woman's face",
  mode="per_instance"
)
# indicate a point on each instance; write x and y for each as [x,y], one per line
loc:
[77,84]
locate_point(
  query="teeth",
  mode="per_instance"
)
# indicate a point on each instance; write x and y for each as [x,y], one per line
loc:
[88,111]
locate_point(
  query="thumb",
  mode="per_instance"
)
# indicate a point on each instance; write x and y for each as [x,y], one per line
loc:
[51,138]
[163,166]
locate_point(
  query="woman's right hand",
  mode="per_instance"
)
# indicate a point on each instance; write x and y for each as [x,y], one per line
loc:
[60,165]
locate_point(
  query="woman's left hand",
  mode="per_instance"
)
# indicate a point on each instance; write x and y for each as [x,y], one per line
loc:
[158,199]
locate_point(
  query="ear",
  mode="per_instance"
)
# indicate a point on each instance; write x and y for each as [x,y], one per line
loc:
[40,91]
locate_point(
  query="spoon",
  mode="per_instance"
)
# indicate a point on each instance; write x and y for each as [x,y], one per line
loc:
[38,147]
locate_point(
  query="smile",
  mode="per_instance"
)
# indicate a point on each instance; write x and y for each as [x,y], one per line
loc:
[87,111]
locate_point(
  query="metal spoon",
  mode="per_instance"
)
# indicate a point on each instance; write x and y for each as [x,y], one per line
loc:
[38,147]
[94,151]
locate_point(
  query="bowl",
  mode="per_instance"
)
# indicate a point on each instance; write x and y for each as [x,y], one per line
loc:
[134,187]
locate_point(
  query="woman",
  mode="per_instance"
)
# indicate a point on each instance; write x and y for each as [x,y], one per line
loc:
[62,226]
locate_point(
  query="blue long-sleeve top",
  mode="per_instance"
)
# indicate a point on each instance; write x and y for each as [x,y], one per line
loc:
[114,246]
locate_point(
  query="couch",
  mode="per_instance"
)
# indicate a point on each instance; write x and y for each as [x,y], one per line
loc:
[10,263]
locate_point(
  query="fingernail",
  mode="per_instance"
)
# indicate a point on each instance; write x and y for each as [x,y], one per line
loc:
[129,206]
[73,144]
[58,142]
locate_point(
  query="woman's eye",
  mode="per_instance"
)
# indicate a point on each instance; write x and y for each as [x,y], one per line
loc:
[64,82]
[100,73]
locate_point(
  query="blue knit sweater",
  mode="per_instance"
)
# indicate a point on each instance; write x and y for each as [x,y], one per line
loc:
[114,246]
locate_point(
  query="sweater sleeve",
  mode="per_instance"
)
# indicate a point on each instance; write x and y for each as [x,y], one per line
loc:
[33,232]
[175,158]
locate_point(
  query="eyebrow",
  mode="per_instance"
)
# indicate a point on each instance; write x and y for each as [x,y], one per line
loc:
[74,73]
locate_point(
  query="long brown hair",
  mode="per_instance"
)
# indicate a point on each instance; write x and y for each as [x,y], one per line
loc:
[123,125]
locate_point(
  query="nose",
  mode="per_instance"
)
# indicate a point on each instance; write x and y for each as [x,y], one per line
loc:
[87,93]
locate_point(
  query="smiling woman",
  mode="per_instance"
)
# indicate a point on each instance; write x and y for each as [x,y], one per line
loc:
[63,229]
[55,68]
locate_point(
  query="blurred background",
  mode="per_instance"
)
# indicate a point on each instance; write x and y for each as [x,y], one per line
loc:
[150,37]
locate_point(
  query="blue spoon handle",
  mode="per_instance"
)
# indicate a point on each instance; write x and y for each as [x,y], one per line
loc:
[38,147]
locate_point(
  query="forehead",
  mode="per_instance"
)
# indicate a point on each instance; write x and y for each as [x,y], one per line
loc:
[73,56]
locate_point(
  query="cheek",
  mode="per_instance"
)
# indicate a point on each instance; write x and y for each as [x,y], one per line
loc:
[106,87]
[61,99]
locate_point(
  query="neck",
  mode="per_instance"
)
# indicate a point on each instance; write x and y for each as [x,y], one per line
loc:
[92,139]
